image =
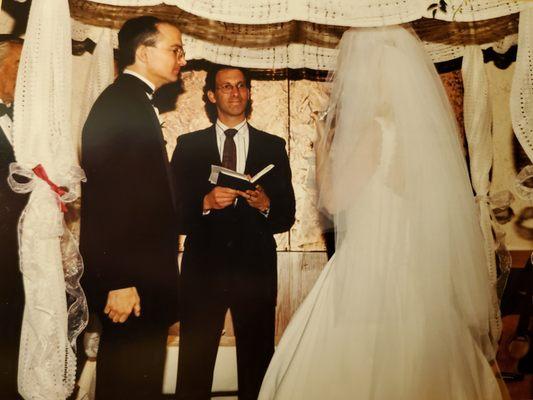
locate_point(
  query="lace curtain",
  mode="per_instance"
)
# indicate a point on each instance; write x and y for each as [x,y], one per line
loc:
[521,101]
[49,259]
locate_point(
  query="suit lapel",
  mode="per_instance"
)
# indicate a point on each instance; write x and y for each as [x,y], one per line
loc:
[212,146]
[7,154]
[139,89]
[253,152]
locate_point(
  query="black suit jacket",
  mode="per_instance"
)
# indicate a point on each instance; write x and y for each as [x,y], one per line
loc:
[231,250]
[128,232]
[11,287]
[11,206]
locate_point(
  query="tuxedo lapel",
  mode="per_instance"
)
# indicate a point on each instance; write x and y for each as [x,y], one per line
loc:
[139,89]
[133,80]
[7,154]
[212,146]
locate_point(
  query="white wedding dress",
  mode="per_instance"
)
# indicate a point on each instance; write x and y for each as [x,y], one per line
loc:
[401,311]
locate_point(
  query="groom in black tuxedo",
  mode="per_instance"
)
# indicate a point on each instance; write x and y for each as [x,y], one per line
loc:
[230,259]
[11,206]
[128,232]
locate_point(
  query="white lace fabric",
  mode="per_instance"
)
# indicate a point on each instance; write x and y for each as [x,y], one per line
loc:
[478,128]
[55,309]
[521,100]
[101,74]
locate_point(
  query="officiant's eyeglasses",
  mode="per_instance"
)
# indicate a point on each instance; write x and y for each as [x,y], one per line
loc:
[178,51]
[228,87]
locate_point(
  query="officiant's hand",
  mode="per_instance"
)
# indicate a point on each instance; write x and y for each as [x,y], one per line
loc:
[220,197]
[121,302]
[258,199]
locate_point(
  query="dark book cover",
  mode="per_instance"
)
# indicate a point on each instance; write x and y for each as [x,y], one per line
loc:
[234,182]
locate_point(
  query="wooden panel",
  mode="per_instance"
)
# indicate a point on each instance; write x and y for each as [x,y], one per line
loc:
[297,273]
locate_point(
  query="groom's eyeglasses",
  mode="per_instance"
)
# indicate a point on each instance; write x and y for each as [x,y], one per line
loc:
[178,51]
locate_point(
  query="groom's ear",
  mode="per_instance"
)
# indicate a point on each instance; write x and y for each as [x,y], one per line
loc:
[141,54]
[211,97]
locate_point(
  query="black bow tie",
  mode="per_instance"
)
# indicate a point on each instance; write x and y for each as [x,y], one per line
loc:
[140,82]
[148,89]
[5,110]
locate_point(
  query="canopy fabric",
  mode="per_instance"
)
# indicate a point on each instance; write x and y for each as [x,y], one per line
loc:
[286,45]
[349,13]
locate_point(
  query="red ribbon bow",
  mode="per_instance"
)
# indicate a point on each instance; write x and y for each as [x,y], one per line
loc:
[41,173]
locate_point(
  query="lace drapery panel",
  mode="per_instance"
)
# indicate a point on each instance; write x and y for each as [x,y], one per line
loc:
[478,127]
[521,100]
[100,75]
[55,308]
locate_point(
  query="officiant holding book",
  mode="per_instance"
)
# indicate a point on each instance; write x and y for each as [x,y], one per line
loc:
[229,261]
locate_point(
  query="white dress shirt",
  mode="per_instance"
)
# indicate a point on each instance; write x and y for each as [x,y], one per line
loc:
[241,138]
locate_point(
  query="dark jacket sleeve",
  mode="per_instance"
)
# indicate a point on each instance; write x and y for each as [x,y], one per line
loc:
[101,201]
[11,203]
[190,187]
[281,192]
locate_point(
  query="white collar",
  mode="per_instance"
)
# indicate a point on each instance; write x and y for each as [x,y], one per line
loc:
[237,127]
[142,78]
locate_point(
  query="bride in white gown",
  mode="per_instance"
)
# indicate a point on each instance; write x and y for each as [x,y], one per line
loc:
[401,312]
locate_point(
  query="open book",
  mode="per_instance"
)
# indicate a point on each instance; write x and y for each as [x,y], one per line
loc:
[221,176]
